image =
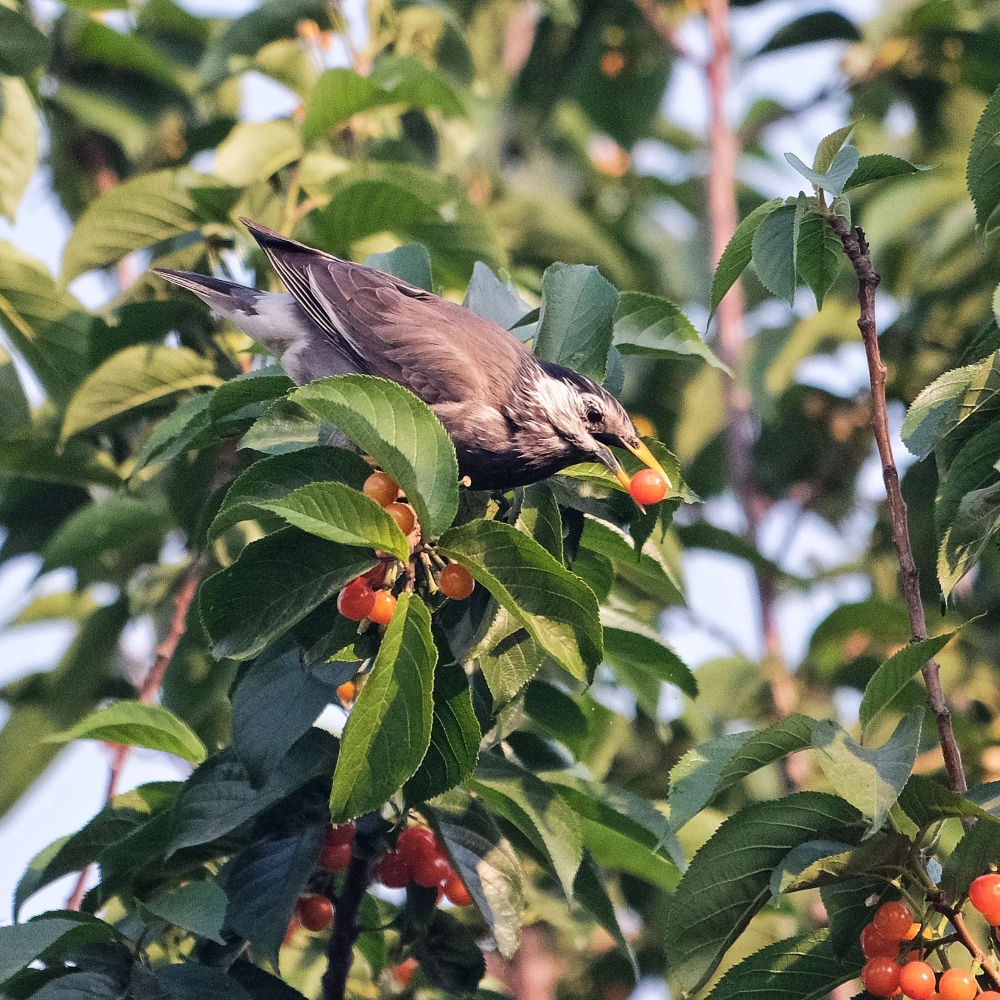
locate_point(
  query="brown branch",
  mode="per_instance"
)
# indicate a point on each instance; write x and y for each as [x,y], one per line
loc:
[340,949]
[963,934]
[856,248]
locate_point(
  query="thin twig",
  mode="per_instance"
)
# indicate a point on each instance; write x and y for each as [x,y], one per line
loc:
[856,248]
[345,928]
[957,921]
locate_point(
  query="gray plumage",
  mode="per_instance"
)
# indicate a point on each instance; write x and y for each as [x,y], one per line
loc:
[514,419]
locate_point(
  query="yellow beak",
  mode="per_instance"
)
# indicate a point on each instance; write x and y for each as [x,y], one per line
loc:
[642,452]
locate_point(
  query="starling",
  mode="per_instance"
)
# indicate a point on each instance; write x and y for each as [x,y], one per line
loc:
[514,418]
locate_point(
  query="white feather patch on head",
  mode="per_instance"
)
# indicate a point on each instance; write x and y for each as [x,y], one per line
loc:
[562,403]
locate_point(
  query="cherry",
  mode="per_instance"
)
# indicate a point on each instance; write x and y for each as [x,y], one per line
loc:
[403,972]
[356,600]
[430,870]
[992,917]
[647,487]
[343,834]
[957,984]
[404,515]
[416,841]
[876,945]
[315,912]
[394,871]
[917,980]
[383,608]
[456,582]
[455,891]
[984,893]
[346,692]
[893,920]
[989,995]
[381,488]
[880,976]
[335,857]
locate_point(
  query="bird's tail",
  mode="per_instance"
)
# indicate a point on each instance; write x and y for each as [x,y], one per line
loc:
[225,297]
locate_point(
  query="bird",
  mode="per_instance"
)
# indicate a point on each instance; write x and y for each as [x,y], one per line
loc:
[514,418]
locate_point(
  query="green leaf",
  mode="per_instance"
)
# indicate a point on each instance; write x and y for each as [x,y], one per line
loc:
[340,514]
[495,300]
[893,676]
[411,263]
[738,252]
[818,255]
[628,641]
[255,151]
[973,467]
[798,968]
[618,852]
[555,607]
[818,863]
[46,324]
[536,809]
[926,801]
[131,378]
[193,981]
[977,521]
[835,179]
[649,573]
[949,401]
[774,252]
[591,893]
[284,428]
[389,729]
[555,711]
[141,211]
[539,517]
[655,328]
[198,907]
[821,26]
[18,141]
[449,956]
[275,477]
[870,779]
[138,725]
[880,167]
[22,46]
[400,433]
[175,433]
[830,146]
[77,464]
[576,319]
[273,585]
[23,943]
[708,912]
[486,863]
[983,172]
[978,849]
[505,652]
[455,736]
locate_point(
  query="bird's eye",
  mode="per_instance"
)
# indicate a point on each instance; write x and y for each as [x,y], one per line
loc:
[594,415]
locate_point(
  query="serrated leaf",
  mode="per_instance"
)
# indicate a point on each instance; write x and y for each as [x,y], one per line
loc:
[835,179]
[892,677]
[591,893]
[975,853]
[818,255]
[389,729]
[774,252]
[654,327]
[576,318]
[648,573]
[273,585]
[486,863]
[136,724]
[983,171]
[926,801]
[829,146]
[198,907]
[555,607]
[400,433]
[819,26]
[23,943]
[818,863]
[410,262]
[455,736]
[870,779]
[976,523]
[340,514]
[738,253]
[275,477]
[131,378]
[174,433]
[972,468]
[536,809]
[495,300]
[628,641]
[879,167]
[708,912]
[18,142]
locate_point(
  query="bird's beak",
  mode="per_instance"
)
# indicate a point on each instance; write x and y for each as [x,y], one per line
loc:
[607,457]
[642,452]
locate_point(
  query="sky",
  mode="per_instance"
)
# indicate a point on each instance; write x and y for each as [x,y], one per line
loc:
[73,789]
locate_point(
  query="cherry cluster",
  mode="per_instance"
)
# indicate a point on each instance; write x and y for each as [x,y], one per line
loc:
[885,975]
[315,912]
[418,857]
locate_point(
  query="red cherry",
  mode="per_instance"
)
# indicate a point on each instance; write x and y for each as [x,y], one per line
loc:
[335,857]
[989,995]
[383,608]
[876,945]
[430,870]
[647,487]
[381,488]
[916,979]
[343,834]
[356,600]
[403,972]
[455,891]
[346,692]
[880,976]
[984,893]
[456,582]
[992,917]
[404,515]
[416,841]
[893,920]
[957,984]
[394,871]
[315,912]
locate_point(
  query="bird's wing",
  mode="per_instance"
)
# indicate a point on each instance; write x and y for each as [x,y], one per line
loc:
[438,350]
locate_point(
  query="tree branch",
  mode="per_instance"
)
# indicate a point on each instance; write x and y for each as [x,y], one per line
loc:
[856,248]
[957,921]
[345,928]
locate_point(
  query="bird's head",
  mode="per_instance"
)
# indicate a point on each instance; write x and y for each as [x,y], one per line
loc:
[588,417]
